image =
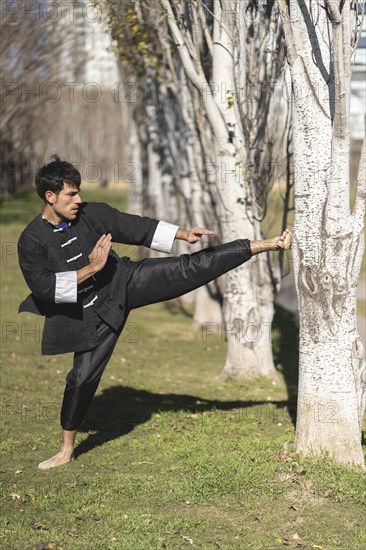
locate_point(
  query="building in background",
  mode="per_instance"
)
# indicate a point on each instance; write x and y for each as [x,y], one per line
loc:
[91,118]
[88,54]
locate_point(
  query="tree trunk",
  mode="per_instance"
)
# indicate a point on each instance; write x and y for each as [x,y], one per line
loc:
[329,240]
[245,298]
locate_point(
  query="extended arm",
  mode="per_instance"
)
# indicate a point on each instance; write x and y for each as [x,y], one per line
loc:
[140,230]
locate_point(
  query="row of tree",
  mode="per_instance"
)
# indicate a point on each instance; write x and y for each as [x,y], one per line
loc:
[208,130]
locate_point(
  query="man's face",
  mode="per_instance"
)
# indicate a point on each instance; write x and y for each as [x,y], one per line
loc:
[66,203]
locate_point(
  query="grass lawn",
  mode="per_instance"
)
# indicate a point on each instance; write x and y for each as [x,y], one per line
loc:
[169,456]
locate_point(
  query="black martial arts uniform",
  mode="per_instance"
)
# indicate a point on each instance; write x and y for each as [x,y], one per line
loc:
[88,318]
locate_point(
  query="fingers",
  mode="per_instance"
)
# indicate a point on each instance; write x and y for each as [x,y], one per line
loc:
[199,231]
[104,239]
[103,244]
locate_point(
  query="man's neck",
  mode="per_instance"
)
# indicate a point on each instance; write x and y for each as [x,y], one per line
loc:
[49,214]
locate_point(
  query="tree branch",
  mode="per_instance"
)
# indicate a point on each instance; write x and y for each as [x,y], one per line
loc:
[340,126]
[198,79]
[287,30]
[333,11]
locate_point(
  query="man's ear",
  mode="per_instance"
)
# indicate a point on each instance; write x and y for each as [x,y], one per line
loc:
[50,197]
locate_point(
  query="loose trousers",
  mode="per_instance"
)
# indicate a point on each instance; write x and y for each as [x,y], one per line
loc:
[149,281]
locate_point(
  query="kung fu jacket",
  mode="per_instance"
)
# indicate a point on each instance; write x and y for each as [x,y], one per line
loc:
[49,258]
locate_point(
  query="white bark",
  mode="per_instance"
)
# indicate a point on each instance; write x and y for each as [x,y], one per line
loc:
[329,241]
[246,303]
[247,313]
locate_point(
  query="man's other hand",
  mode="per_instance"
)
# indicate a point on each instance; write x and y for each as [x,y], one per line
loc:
[99,255]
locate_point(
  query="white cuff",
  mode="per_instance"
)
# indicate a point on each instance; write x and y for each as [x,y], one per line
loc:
[66,287]
[164,237]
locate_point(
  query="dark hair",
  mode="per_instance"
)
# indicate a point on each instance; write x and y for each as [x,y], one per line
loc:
[52,176]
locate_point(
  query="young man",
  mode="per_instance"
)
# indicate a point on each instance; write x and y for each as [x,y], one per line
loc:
[86,291]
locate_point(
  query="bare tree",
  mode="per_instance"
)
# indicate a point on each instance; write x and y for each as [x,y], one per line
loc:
[329,235]
[221,104]
[249,291]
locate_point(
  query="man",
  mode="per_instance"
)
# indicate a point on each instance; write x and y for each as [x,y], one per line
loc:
[86,291]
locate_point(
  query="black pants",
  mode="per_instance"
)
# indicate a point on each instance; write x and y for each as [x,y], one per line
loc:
[149,281]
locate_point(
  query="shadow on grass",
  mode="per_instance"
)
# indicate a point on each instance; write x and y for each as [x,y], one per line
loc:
[118,410]
[286,349]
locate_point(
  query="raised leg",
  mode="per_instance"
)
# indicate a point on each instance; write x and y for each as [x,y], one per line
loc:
[158,279]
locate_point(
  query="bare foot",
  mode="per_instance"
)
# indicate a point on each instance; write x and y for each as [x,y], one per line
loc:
[285,241]
[278,243]
[63,457]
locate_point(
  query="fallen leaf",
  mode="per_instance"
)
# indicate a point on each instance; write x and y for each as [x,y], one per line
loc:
[39,526]
[188,539]
[19,472]
[15,496]
[295,536]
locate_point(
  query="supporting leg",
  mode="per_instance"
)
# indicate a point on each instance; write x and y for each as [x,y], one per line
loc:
[66,453]
[81,384]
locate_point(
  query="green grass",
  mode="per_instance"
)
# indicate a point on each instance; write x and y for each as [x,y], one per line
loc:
[168,454]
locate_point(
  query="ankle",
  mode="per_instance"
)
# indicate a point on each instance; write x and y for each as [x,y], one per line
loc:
[66,449]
